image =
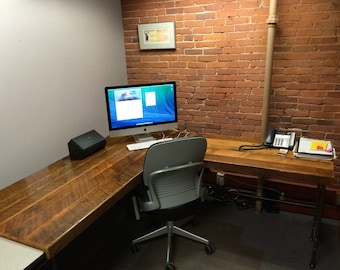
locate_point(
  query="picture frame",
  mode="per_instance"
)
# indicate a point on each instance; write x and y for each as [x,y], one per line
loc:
[153,36]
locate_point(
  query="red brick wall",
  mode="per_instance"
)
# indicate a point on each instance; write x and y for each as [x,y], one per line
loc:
[219,63]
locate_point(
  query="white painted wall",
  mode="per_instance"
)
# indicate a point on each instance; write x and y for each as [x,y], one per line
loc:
[56,57]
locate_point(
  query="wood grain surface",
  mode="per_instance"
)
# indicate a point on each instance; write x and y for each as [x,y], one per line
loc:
[48,209]
[223,155]
[51,207]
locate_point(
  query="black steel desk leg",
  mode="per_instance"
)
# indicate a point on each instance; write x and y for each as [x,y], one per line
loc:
[317,222]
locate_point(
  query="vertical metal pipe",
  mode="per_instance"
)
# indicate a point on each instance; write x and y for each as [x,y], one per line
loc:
[271,21]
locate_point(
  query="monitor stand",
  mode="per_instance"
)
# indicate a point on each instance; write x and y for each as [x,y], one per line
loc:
[143,137]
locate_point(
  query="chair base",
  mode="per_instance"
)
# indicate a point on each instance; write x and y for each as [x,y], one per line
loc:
[170,229]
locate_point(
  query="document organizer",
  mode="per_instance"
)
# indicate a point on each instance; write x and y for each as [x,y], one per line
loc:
[86,144]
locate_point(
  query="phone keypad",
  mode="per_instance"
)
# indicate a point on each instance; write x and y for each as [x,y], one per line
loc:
[281,140]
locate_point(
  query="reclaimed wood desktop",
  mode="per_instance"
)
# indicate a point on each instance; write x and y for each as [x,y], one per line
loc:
[50,208]
[223,155]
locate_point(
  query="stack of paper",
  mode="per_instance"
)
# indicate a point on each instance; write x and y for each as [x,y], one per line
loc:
[315,149]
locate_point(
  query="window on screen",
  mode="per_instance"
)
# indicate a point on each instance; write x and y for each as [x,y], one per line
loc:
[128,104]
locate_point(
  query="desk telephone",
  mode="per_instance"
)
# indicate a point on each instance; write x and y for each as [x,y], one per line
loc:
[279,139]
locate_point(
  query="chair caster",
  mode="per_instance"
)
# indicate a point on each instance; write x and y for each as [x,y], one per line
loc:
[169,266]
[209,249]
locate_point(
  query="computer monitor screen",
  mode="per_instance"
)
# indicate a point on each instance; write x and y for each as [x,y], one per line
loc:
[140,109]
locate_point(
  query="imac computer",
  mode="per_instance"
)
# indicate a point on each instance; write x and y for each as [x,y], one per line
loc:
[141,109]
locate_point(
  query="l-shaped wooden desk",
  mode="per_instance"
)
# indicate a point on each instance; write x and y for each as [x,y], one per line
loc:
[51,207]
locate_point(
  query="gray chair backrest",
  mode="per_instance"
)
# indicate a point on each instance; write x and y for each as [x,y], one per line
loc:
[173,172]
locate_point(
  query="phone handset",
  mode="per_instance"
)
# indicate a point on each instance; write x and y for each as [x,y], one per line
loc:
[270,135]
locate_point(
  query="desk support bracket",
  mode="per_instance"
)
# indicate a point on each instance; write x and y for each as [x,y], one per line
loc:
[317,222]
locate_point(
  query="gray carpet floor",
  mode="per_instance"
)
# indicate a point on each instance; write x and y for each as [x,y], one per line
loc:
[243,240]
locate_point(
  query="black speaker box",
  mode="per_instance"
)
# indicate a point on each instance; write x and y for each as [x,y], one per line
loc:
[86,144]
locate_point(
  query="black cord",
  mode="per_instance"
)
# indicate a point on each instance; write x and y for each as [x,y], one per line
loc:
[251,147]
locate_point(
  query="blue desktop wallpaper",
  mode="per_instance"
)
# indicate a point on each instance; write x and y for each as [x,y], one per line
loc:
[163,111]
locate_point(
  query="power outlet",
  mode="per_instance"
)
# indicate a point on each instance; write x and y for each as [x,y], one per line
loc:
[220,179]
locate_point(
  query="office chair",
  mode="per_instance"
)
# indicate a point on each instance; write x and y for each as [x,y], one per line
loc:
[172,178]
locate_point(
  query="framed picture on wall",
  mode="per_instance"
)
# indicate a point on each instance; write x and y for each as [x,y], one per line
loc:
[157,36]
